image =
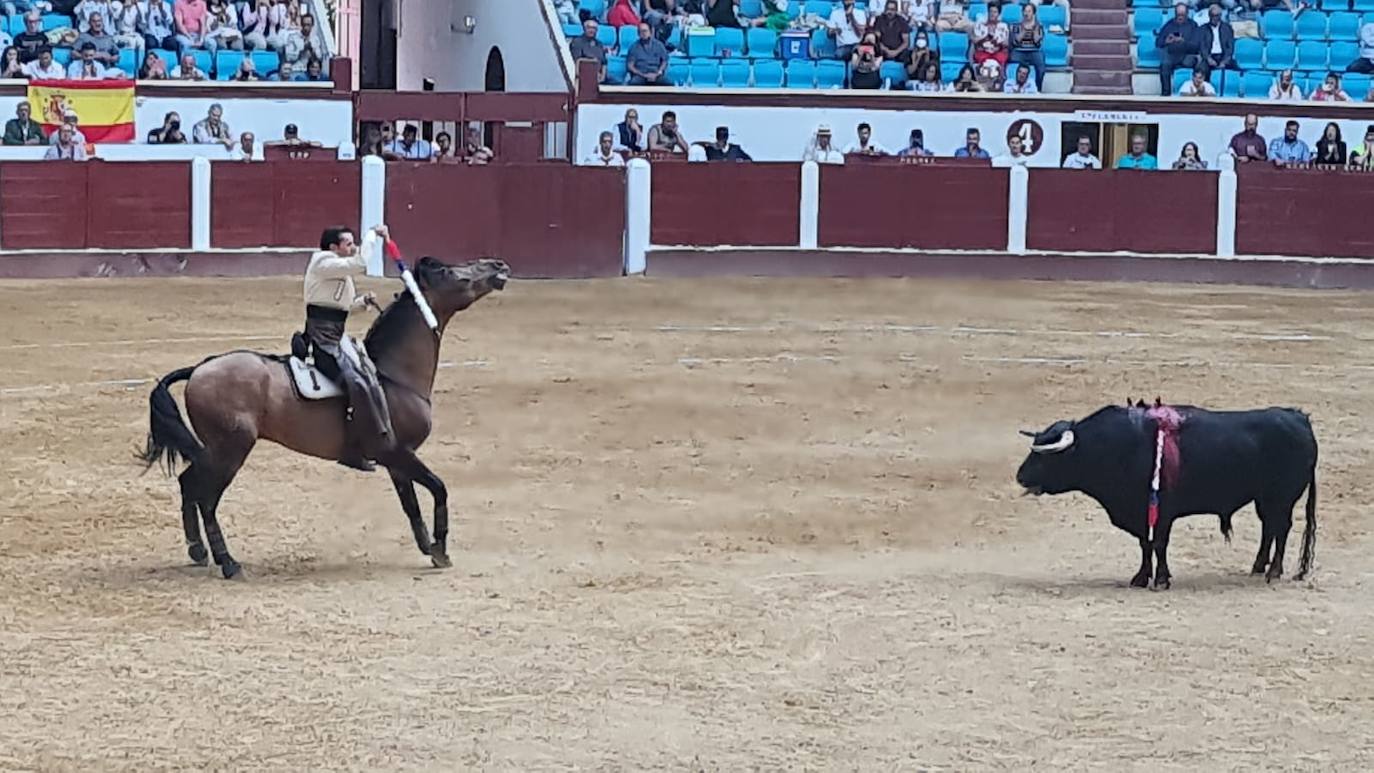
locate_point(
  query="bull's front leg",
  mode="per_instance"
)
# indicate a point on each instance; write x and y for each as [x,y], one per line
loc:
[1142,577]
[1161,545]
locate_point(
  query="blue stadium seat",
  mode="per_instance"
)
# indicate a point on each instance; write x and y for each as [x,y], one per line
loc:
[1226,82]
[950,70]
[54,21]
[734,73]
[1011,13]
[1280,54]
[1277,25]
[128,61]
[1343,54]
[801,74]
[1147,56]
[616,69]
[819,7]
[705,73]
[822,45]
[606,35]
[1362,6]
[1147,22]
[1356,85]
[226,64]
[168,58]
[203,61]
[893,74]
[678,71]
[729,42]
[1181,76]
[763,43]
[266,62]
[1312,26]
[977,10]
[1256,83]
[701,41]
[1312,55]
[571,31]
[1333,5]
[1249,54]
[794,9]
[768,74]
[1053,15]
[14,24]
[596,8]
[831,74]
[63,56]
[1056,50]
[1344,25]
[953,46]
[751,8]
[626,37]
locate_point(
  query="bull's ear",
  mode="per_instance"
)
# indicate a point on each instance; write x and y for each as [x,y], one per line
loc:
[1027,433]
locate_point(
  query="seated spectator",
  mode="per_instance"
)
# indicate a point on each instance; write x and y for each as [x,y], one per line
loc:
[65,147]
[864,65]
[722,13]
[32,40]
[169,133]
[647,60]
[443,149]
[967,81]
[1190,160]
[314,73]
[921,56]
[1216,41]
[10,66]
[255,21]
[992,39]
[665,136]
[1365,64]
[630,134]
[1082,157]
[301,49]
[99,39]
[69,119]
[929,80]
[372,144]
[1137,158]
[291,138]
[915,146]
[1284,89]
[1362,158]
[1248,145]
[1015,155]
[1197,86]
[284,25]
[157,27]
[410,146]
[622,14]
[953,16]
[605,154]
[1177,42]
[243,149]
[820,150]
[588,47]
[247,71]
[893,34]
[190,20]
[126,27]
[87,8]
[1330,90]
[475,152]
[1289,150]
[972,146]
[154,68]
[865,145]
[775,16]
[187,70]
[1021,84]
[222,28]
[44,68]
[22,129]
[1331,150]
[920,14]
[1026,39]
[847,26]
[990,76]
[86,67]
[725,150]
[212,128]
[567,13]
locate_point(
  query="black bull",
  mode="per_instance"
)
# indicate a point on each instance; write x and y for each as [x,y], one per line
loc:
[1227,459]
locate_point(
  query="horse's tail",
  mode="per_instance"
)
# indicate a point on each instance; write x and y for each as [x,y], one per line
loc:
[169,439]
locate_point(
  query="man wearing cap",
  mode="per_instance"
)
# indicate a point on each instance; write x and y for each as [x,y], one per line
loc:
[724,150]
[69,119]
[821,150]
[291,138]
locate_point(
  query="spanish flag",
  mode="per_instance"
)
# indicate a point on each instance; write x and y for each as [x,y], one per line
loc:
[104,109]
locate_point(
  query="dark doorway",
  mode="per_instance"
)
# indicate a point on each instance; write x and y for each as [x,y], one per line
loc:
[496,70]
[378,32]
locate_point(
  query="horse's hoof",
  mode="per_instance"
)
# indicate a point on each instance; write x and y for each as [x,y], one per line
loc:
[439,558]
[199,555]
[1161,583]
[232,570]
[1141,580]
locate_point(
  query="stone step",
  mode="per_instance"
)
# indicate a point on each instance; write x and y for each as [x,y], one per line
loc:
[1115,63]
[1112,31]
[1098,16]
[1101,78]
[1104,90]
[1099,5]
[1100,48]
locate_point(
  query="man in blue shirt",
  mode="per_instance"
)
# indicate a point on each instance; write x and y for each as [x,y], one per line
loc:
[647,60]
[971,148]
[1290,149]
[1137,158]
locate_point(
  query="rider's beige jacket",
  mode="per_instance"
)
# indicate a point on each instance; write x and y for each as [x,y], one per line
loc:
[329,277]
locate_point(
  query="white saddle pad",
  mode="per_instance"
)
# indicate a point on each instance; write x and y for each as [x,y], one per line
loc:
[312,384]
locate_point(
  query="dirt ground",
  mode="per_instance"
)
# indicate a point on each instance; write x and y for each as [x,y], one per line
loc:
[724,525]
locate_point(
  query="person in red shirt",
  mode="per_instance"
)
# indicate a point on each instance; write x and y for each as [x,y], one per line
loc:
[622,14]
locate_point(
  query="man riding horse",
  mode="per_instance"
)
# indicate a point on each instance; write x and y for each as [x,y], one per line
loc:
[329,296]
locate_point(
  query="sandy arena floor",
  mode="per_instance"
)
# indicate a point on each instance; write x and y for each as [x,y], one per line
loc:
[727,525]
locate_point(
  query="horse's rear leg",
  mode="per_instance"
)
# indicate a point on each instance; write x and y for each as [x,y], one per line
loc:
[190,520]
[215,480]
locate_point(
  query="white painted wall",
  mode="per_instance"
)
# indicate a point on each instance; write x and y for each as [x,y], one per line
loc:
[432,44]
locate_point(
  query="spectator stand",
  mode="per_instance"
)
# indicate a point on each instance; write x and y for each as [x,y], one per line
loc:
[516,127]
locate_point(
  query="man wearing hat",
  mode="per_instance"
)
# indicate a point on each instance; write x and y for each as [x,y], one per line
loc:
[724,150]
[821,150]
[69,119]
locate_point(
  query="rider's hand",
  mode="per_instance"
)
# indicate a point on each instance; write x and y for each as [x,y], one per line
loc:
[369,299]
[382,231]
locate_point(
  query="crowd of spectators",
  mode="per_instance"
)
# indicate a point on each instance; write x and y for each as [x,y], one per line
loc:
[380,140]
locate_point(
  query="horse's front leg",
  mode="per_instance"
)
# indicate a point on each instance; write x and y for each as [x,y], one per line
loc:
[405,489]
[414,470]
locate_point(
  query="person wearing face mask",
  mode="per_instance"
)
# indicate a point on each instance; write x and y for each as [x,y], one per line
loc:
[921,57]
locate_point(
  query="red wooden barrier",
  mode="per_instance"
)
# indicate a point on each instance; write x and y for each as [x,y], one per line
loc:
[1313,212]
[283,203]
[43,205]
[546,220]
[726,203]
[141,205]
[1122,210]
[901,206]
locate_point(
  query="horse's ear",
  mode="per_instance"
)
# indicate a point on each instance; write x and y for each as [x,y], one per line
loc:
[429,263]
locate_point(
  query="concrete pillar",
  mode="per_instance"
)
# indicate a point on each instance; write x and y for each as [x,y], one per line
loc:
[638,214]
[1018,206]
[373,209]
[200,204]
[810,206]
[1226,207]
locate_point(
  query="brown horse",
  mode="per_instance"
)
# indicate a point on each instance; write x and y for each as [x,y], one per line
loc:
[235,399]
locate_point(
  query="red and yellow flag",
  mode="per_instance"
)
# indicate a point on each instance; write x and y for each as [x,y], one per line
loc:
[104,109]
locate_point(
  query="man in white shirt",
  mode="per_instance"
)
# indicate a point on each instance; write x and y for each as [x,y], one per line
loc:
[821,151]
[1083,158]
[847,25]
[1284,89]
[243,150]
[866,145]
[605,154]
[1015,155]
[1197,86]
[44,68]
[69,119]
[1022,83]
[86,68]
[410,146]
[1365,63]
[65,147]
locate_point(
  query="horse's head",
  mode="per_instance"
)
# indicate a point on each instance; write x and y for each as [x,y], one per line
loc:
[451,289]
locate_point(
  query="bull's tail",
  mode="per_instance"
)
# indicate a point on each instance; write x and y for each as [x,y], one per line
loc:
[169,439]
[1309,533]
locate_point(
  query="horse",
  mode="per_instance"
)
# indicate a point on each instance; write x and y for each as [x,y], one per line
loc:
[235,399]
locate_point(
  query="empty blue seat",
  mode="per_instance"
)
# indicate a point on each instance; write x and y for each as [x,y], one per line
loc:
[950,70]
[1053,16]
[1249,54]
[1056,50]
[1344,25]
[705,74]
[14,24]
[677,71]
[227,64]
[830,75]
[953,46]
[627,37]
[1147,22]
[54,21]
[1362,5]
[266,62]
[734,73]
[616,69]
[1312,26]
[203,61]
[1277,24]
[893,74]
[819,7]
[571,31]
[763,42]
[1256,83]
[794,8]
[729,41]
[607,35]
[1312,55]
[1181,76]
[1343,54]
[1011,13]
[801,74]
[128,61]
[596,8]
[1333,5]
[751,8]
[1147,55]
[768,74]
[1280,54]
[1226,82]
[977,10]
[1356,85]
[822,45]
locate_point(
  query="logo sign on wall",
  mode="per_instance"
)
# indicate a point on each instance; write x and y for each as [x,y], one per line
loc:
[1031,134]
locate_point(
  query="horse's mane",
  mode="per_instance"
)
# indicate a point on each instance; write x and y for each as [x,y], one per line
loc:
[390,327]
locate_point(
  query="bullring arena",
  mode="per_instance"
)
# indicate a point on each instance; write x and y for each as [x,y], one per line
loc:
[698,524]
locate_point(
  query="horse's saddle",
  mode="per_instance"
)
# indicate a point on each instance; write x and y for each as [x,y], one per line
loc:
[309,382]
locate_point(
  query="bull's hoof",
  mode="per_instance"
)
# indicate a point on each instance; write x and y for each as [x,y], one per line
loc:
[1258,568]
[439,558]
[1162,583]
[199,555]
[231,570]
[1274,573]
[1141,580]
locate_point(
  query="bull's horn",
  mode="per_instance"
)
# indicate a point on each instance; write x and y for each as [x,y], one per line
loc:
[1027,433]
[1065,440]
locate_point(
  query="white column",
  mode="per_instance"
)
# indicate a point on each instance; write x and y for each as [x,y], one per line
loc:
[810,206]
[1018,205]
[373,207]
[200,204]
[638,215]
[1226,207]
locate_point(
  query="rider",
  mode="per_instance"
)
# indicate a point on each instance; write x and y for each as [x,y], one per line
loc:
[329,296]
